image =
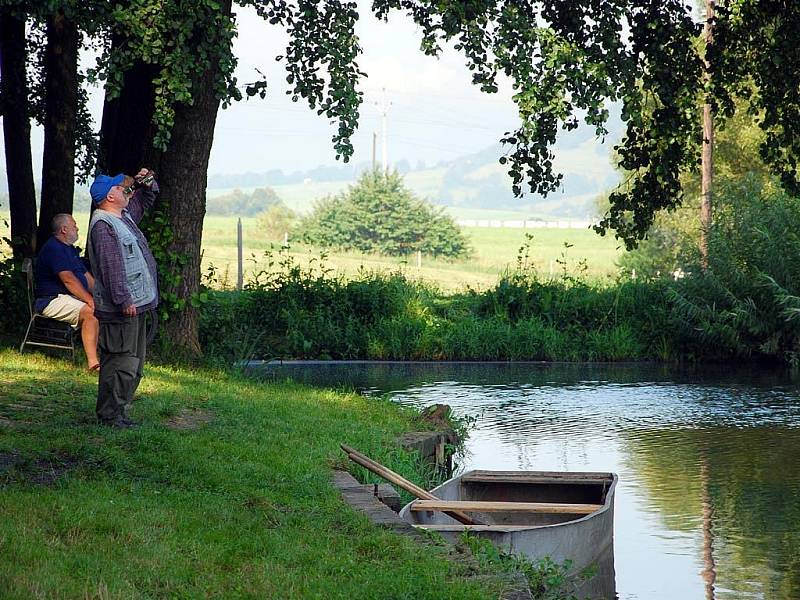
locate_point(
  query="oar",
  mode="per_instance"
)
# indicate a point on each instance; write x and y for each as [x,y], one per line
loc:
[389,475]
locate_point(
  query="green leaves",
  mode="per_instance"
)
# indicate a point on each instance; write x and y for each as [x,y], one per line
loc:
[567,61]
[183,39]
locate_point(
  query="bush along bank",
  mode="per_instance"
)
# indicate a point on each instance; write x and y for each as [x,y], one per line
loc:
[295,312]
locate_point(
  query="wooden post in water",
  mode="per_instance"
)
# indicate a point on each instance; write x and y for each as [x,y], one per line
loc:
[239,249]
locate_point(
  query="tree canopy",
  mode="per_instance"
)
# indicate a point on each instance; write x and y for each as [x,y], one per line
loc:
[380,215]
[567,60]
[169,64]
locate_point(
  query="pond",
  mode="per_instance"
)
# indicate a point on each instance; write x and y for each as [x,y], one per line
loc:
[708,501]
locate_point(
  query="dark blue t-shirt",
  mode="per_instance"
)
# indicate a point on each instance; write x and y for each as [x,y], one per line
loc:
[54,257]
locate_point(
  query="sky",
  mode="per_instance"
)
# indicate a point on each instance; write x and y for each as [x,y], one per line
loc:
[435,113]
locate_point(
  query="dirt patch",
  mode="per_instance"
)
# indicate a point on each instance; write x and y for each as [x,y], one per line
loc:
[8,460]
[190,419]
[46,472]
[43,471]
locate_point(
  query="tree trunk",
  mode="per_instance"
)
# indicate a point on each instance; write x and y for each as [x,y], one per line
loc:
[184,176]
[708,148]
[126,131]
[61,109]
[17,134]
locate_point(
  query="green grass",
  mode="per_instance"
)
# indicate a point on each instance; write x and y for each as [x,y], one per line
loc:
[240,507]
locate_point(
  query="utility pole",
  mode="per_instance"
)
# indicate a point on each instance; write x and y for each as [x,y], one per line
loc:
[374,146]
[383,108]
[708,145]
[239,254]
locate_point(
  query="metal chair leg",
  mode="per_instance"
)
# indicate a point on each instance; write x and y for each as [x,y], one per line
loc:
[27,333]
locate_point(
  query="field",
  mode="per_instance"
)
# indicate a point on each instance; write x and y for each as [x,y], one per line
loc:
[495,249]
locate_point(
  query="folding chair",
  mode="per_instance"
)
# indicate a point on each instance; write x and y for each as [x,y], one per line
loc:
[43,331]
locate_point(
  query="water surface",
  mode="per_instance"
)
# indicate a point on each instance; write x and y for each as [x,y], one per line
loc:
[708,502]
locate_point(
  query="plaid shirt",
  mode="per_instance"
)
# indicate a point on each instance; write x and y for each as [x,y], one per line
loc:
[110,269]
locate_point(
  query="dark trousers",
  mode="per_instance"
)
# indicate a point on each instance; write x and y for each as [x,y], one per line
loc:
[122,350]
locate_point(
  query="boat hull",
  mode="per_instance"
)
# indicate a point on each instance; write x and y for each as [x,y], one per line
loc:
[585,540]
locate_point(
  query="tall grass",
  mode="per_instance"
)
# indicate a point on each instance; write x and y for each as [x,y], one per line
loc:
[746,305]
[309,312]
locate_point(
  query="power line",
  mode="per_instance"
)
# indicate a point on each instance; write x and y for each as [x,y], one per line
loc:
[383,108]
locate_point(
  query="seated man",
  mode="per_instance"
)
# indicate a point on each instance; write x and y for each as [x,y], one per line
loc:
[64,286]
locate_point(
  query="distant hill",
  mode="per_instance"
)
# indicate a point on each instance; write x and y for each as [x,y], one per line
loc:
[474,181]
[470,184]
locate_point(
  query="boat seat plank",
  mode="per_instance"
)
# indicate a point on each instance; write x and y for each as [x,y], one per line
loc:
[529,507]
[536,477]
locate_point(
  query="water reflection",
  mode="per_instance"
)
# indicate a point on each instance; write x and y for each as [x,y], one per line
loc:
[709,498]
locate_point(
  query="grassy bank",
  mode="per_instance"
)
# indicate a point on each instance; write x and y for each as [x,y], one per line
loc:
[223,492]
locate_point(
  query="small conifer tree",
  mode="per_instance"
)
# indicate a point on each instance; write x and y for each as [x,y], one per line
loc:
[380,215]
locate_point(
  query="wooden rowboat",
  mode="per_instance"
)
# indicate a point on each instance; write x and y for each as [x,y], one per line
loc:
[563,515]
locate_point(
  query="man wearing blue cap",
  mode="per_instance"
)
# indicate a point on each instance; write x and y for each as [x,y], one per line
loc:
[125,290]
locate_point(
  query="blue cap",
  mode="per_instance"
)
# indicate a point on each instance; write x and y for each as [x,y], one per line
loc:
[102,185]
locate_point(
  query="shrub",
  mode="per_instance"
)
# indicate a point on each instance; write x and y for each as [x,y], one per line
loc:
[276,221]
[13,298]
[380,215]
[747,304]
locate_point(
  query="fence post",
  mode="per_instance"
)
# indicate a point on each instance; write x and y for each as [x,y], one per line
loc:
[419,259]
[239,244]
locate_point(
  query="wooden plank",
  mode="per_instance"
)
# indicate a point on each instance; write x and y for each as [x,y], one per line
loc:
[537,477]
[377,468]
[533,507]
